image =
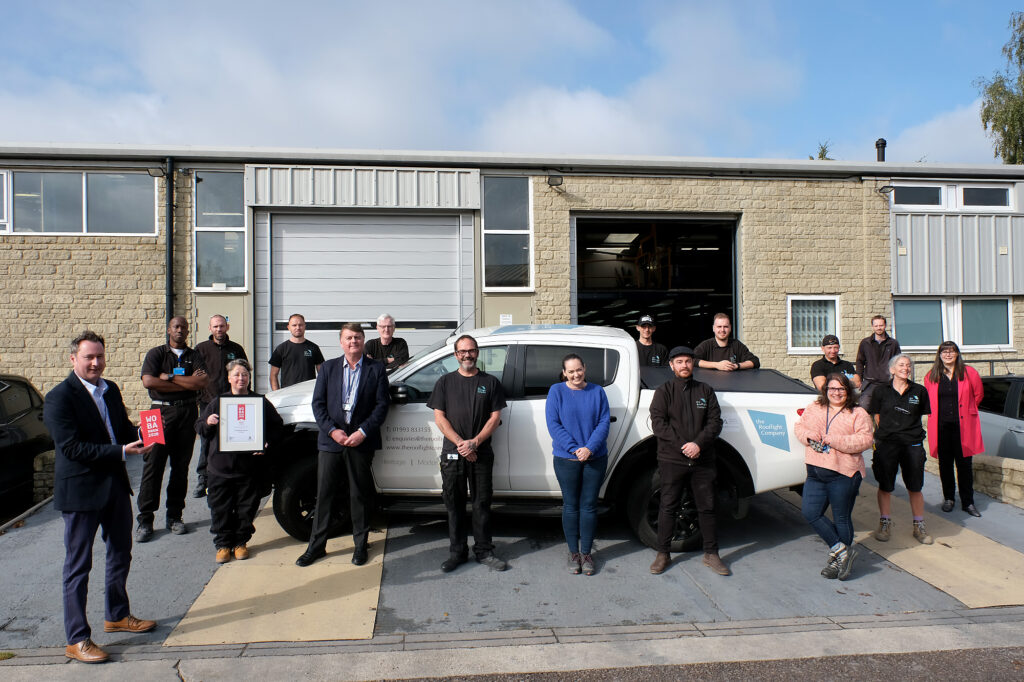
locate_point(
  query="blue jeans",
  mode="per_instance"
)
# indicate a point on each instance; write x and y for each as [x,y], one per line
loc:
[580,483]
[824,488]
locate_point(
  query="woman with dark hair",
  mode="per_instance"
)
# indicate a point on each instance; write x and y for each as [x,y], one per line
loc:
[234,478]
[836,432]
[578,419]
[954,429]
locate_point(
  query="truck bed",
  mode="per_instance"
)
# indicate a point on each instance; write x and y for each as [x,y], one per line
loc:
[744,381]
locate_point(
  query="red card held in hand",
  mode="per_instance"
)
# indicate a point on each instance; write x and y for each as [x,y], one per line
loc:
[152,427]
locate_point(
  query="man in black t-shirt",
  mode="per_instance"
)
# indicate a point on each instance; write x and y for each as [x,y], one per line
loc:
[295,360]
[652,354]
[175,376]
[389,349]
[722,353]
[467,406]
[830,363]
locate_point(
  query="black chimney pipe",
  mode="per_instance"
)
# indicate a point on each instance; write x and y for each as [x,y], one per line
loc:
[169,230]
[880,149]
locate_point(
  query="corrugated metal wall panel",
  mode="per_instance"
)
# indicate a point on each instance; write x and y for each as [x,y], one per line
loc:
[362,187]
[937,255]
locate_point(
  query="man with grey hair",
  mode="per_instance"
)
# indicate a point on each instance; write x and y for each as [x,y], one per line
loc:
[389,349]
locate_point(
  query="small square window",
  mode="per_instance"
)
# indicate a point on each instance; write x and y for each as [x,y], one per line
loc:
[220,259]
[219,199]
[985,322]
[810,319]
[986,196]
[918,196]
[506,203]
[47,202]
[507,260]
[918,323]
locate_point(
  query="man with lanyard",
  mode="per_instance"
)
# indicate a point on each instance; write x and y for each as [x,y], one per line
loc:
[686,420]
[467,406]
[652,354]
[389,349]
[350,401]
[721,353]
[175,375]
[296,360]
[217,352]
[830,363]
[873,356]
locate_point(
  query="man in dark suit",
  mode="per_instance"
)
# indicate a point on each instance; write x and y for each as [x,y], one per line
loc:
[90,427]
[350,401]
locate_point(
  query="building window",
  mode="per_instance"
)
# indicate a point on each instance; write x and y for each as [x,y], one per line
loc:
[909,195]
[810,318]
[220,230]
[973,323]
[5,225]
[52,202]
[987,196]
[507,257]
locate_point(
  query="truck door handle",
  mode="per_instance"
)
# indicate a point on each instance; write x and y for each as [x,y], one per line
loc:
[615,419]
[1016,429]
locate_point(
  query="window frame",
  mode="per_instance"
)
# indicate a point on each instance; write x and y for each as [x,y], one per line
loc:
[984,208]
[952,197]
[11,228]
[197,229]
[952,323]
[530,286]
[808,350]
[5,202]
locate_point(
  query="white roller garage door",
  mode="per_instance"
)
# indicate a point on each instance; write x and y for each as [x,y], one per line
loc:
[334,268]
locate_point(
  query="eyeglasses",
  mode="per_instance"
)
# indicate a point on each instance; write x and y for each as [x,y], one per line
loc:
[836,389]
[464,353]
[947,351]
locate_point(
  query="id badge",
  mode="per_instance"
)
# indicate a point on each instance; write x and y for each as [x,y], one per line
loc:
[179,371]
[452,456]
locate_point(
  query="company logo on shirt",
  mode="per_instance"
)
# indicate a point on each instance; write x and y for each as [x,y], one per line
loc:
[655,359]
[481,389]
[231,356]
[913,400]
[702,403]
[308,353]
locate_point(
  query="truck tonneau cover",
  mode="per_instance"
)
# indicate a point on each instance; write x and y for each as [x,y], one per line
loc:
[744,381]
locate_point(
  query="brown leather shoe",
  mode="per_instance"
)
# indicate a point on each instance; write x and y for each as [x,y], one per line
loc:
[661,562]
[715,563]
[86,652]
[129,624]
[241,552]
[223,555]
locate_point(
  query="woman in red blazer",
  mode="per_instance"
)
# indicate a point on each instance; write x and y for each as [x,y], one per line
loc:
[954,430]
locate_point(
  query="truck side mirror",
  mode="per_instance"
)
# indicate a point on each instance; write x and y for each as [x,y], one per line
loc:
[399,393]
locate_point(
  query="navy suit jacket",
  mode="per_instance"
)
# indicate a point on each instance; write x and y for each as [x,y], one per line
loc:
[88,465]
[372,400]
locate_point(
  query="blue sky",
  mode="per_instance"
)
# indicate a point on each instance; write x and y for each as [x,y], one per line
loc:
[722,79]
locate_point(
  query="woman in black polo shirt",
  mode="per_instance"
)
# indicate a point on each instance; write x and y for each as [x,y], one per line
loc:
[898,407]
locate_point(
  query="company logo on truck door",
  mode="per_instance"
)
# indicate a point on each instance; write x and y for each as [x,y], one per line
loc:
[771,429]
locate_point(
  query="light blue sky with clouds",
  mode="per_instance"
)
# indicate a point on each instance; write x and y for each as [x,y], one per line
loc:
[721,79]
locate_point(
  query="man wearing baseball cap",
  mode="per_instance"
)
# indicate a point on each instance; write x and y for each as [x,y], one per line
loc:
[830,363]
[651,354]
[686,420]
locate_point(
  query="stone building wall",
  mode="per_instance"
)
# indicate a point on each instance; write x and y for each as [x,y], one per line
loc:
[54,286]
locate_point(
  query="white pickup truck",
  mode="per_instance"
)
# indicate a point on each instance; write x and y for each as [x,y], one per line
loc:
[757,450]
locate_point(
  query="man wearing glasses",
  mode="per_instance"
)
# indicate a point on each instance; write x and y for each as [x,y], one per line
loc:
[467,406]
[389,349]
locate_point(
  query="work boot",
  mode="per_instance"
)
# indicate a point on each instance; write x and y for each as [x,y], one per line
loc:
[144,533]
[846,557]
[241,552]
[661,562]
[831,570]
[715,563]
[200,490]
[921,535]
[492,562]
[884,531]
[223,555]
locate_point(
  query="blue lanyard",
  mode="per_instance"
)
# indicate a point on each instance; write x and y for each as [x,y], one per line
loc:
[828,422]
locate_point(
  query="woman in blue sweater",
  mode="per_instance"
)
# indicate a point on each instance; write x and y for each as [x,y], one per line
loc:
[578,419]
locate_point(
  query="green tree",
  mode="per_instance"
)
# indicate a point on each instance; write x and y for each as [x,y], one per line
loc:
[1002,103]
[823,151]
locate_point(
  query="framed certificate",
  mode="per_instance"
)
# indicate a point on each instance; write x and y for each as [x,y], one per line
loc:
[241,423]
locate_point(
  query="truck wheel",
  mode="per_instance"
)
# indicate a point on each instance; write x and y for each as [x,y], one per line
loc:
[295,501]
[642,504]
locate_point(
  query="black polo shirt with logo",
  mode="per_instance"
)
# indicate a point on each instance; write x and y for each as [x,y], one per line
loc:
[899,416]
[163,360]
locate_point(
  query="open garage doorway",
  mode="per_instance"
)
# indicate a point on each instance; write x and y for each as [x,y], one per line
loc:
[680,270]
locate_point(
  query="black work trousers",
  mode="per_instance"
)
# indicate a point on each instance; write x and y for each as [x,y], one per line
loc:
[701,479]
[456,476]
[180,437]
[951,455]
[234,503]
[331,467]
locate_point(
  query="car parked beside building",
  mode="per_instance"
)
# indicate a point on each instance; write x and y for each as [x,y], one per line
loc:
[22,437]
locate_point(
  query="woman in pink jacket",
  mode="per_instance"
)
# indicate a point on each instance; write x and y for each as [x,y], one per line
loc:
[954,429]
[836,433]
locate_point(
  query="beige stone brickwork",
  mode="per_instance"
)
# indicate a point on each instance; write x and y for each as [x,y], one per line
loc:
[54,286]
[795,236]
